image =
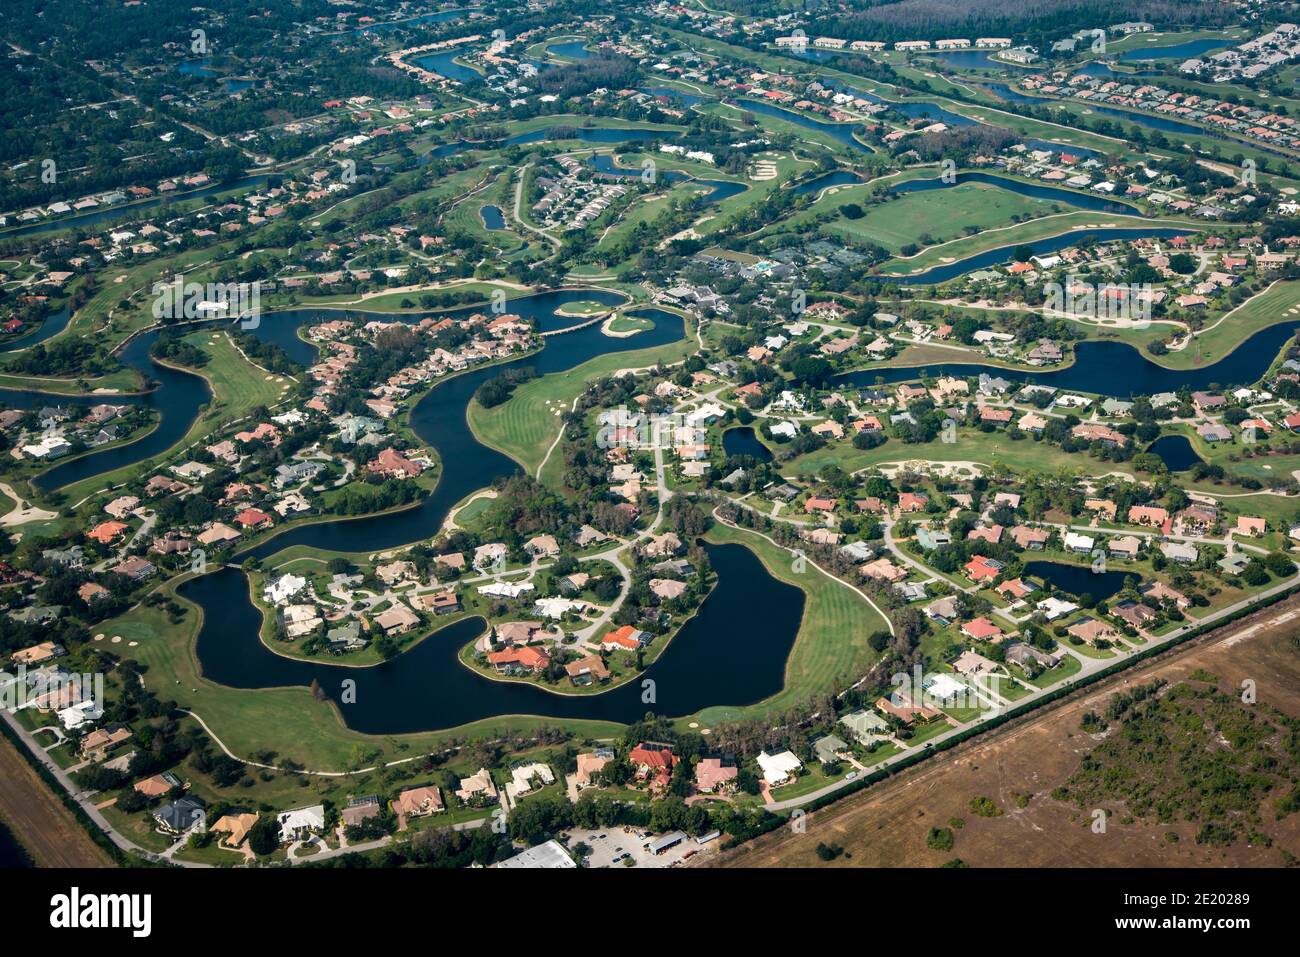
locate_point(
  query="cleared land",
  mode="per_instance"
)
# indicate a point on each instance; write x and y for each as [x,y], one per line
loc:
[46,829]
[887,825]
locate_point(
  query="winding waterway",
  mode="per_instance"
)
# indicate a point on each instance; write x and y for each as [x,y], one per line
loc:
[427,687]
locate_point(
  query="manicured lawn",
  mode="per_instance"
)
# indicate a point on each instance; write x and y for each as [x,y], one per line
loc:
[810,778]
[630,324]
[927,731]
[287,720]
[940,215]
[526,425]
[832,641]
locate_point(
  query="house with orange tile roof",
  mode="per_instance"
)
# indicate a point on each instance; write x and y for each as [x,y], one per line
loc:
[519,656]
[712,776]
[981,629]
[1147,515]
[625,637]
[1248,525]
[158,785]
[982,569]
[394,465]
[254,518]
[417,802]
[107,532]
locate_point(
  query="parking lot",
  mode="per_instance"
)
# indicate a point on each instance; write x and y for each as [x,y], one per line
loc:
[608,845]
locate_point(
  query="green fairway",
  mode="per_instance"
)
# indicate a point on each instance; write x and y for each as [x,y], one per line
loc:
[935,216]
[527,424]
[831,647]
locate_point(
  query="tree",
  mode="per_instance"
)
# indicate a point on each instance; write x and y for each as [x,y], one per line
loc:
[264,836]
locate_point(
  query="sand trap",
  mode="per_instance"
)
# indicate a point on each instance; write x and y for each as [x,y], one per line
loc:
[116,639]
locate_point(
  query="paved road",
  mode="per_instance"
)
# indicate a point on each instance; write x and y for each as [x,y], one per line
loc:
[1090,666]
[83,798]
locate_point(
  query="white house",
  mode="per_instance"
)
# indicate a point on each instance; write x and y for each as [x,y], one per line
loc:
[297,823]
[283,588]
[786,429]
[1055,608]
[706,414]
[777,768]
[943,687]
[1074,542]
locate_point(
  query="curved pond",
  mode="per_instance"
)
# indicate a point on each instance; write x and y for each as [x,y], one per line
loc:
[1113,368]
[672,93]
[180,395]
[439,420]
[719,189]
[978,60]
[1053,194]
[50,327]
[742,440]
[837,177]
[177,399]
[1160,123]
[841,132]
[427,688]
[573,49]
[492,217]
[923,109]
[1077,580]
[1176,452]
[444,64]
[1178,51]
[1003,254]
[1011,95]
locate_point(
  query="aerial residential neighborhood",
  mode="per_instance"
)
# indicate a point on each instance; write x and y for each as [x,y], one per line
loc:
[694,437]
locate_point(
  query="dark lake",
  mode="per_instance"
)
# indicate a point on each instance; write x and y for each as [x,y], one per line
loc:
[1004,254]
[1176,452]
[427,688]
[1077,580]
[841,132]
[1115,369]
[743,441]
[1178,51]
[839,177]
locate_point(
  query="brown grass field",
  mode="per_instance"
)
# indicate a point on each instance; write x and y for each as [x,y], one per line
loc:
[48,830]
[886,825]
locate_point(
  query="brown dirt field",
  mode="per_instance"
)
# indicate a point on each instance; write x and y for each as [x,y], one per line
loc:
[886,825]
[48,830]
